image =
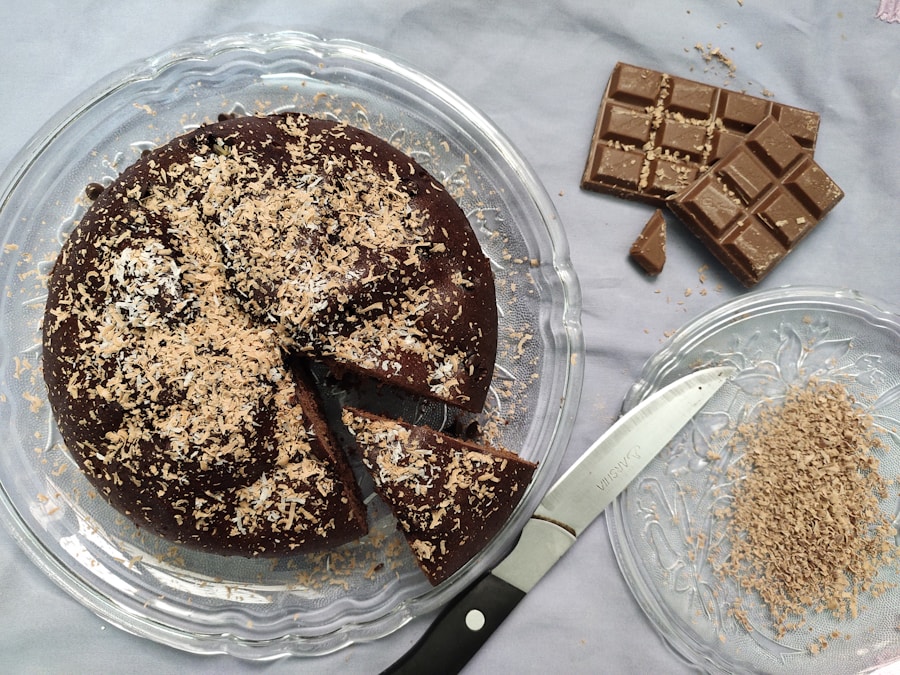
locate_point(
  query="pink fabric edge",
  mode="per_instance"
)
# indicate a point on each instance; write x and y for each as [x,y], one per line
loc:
[889,10]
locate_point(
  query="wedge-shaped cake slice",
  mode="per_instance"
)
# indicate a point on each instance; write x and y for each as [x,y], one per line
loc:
[450,497]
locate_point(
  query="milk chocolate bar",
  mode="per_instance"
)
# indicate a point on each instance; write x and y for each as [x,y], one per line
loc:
[757,202]
[656,133]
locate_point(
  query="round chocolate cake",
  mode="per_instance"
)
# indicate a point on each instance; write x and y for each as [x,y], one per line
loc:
[184,307]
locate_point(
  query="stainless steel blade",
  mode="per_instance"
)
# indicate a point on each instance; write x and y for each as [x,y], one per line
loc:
[602,472]
[620,454]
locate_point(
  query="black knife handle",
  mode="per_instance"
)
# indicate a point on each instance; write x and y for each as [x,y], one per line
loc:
[460,629]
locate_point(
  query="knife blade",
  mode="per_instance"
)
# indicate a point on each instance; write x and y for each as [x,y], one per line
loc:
[569,506]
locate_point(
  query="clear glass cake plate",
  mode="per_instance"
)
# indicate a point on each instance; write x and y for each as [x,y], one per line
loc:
[666,538]
[300,605]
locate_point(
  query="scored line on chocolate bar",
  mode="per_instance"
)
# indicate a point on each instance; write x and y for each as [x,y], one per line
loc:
[655,133]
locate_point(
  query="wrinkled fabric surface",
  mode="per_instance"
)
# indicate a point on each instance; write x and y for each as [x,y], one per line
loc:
[538,71]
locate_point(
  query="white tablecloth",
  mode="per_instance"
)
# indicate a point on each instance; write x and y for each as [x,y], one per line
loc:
[537,69]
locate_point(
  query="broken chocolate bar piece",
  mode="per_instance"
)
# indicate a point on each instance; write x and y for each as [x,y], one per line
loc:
[656,133]
[649,249]
[758,202]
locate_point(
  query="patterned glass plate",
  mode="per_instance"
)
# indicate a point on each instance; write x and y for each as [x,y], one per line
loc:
[303,605]
[664,534]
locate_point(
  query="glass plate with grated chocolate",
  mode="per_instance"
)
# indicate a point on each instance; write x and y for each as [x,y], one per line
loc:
[764,537]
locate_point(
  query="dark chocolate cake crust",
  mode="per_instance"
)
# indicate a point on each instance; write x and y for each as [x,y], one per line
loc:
[182,306]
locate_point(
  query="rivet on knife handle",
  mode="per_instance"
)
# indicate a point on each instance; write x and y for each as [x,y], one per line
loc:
[461,629]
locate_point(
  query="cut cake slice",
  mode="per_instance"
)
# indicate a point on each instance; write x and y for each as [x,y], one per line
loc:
[450,497]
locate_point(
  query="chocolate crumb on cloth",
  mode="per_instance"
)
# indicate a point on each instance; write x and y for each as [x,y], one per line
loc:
[804,525]
[649,249]
[656,133]
[758,202]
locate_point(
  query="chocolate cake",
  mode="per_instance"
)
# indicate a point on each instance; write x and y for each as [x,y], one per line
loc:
[450,497]
[184,306]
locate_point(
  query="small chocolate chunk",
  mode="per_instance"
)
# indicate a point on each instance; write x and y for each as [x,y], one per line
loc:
[93,190]
[656,133]
[758,202]
[649,249]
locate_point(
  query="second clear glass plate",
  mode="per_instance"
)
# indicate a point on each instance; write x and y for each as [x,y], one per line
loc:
[664,534]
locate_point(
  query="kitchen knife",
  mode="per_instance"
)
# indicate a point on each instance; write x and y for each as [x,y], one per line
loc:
[569,506]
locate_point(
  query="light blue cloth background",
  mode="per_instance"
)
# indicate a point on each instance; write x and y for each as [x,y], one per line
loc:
[537,69]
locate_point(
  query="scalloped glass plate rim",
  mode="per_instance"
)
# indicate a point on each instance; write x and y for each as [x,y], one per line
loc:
[566,328]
